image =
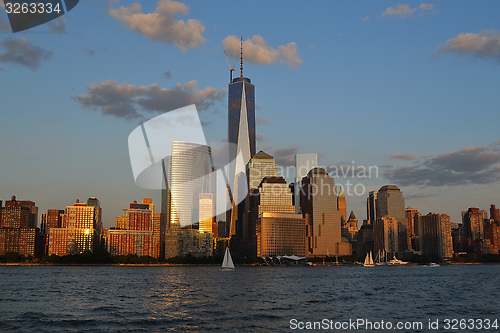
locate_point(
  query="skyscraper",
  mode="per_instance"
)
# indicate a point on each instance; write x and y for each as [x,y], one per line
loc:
[436,235]
[80,229]
[390,202]
[190,170]
[241,116]
[303,164]
[318,199]
[279,231]
[371,211]
[241,139]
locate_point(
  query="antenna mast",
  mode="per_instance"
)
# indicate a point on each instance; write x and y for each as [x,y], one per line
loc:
[241,57]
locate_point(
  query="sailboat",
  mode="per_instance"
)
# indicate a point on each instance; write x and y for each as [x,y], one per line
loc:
[227,263]
[369,260]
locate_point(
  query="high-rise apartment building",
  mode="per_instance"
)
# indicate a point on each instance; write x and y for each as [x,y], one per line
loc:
[133,233]
[385,235]
[80,230]
[473,224]
[494,213]
[18,232]
[414,230]
[318,200]
[436,235]
[390,202]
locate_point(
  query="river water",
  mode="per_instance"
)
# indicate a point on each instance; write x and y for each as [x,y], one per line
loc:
[199,299]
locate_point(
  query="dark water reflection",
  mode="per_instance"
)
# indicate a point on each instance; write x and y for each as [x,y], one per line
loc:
[162,299]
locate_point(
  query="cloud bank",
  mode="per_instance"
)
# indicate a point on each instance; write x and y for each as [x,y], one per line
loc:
[472,165]
[129,101]
[405,11]
[22,52]
[482,45]
[161,25]
[256,51]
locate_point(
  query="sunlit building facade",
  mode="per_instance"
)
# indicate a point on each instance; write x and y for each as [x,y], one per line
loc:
[190,175]
[80,230]
[390,202]
[133,233]
[385,235]
[318,199]
[18,232]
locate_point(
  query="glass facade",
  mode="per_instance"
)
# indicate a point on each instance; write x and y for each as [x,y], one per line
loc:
[190,174]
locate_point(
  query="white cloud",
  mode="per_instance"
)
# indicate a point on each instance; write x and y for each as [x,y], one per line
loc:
[485,45]
[401,10]
[256,51]
[161,25]
[470,165]
[408,157]
[365,18]
[426,6]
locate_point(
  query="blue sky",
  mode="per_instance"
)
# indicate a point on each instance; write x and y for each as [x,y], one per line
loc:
[409,87]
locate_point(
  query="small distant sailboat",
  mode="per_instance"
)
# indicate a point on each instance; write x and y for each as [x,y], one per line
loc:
[369,260]
[227,263]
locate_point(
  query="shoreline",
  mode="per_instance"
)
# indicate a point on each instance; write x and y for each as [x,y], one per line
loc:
[217,265]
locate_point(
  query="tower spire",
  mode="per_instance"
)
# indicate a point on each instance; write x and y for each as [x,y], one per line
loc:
[241,57]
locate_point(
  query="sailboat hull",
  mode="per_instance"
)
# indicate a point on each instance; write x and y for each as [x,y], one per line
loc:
[226,269]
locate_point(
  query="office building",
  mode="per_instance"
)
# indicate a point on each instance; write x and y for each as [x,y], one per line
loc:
[261,165]
[279,231]
[318,200]
[241,139]
[303,164]
[189,175]
[390,202]
[371,211]
[207,221]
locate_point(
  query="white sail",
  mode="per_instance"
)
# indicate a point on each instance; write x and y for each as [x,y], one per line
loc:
[227,263]
[369,260]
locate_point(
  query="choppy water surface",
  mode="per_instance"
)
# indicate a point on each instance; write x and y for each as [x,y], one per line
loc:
[161,299]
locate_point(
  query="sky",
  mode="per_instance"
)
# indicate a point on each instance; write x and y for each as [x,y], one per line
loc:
[407,88]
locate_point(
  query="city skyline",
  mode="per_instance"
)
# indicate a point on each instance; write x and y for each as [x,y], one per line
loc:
[389,85]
